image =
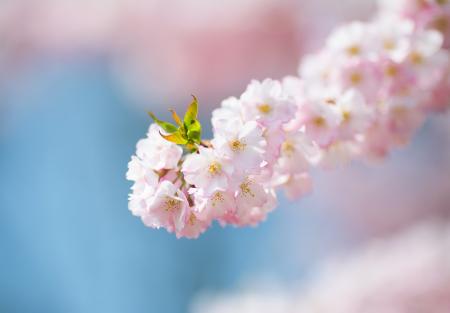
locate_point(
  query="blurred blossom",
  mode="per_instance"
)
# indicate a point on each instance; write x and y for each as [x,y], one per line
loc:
[414,184]
[407,273]
[321,16]
[160,50]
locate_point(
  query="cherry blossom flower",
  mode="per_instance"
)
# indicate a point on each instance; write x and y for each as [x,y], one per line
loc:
[266,103]
[356,115]
[230,109]
[215,205]
[206,170]
[156,152]
[294,185]
[253,201]
[168,207]
[321,120]
[241,143]
[350,41]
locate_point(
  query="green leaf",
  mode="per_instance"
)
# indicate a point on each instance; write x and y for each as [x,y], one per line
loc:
[191,113]
[194,131]
[176,118]
[168,127]
[175,138]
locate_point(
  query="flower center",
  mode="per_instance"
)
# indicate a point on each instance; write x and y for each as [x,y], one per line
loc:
[441,24]
[288,148]
[319,121]
[245,188]
[389,44]
[265,108]
[237,145]
[356,78]
[354,50]
[441,2]
[416,58]
[391,71]
[172,205]
[346,115]
[217,197]
[215,168]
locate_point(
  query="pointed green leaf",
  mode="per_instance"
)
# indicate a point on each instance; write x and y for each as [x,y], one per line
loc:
[175,138]
[168,127]
[191,113]
[176,118]
[195,131]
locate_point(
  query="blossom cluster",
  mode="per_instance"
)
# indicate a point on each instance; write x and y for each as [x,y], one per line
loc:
[407,273]
[362,95]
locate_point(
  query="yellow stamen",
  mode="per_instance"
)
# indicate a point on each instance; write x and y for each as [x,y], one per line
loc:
[389,44]
[215,168]
[237,145]
[245,188]
[217,197]
[172,205]
[346,116]
[265,108]
[319,121]
[288,148]
[391,71]
[416,58]
[354,50]
[356,78]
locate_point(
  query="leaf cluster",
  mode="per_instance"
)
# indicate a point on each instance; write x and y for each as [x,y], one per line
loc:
[186,132]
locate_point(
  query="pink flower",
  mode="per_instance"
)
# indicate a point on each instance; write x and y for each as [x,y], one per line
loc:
[294,184]
[156,152]
[230,109]
[392,37]
[136,170]
[356,115]
[241,143]
[321,120]
[168,208]
[266,103]
[206,170]
[350,41]
[145,184]
[361,75]
[253,202]
[193,227]
[213,206]
[297,154]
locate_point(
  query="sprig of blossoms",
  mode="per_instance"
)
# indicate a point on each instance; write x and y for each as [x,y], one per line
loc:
[362,95]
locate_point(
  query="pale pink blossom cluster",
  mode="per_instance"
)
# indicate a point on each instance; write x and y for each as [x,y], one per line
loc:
[362,95]
[430,14]
[407,273]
